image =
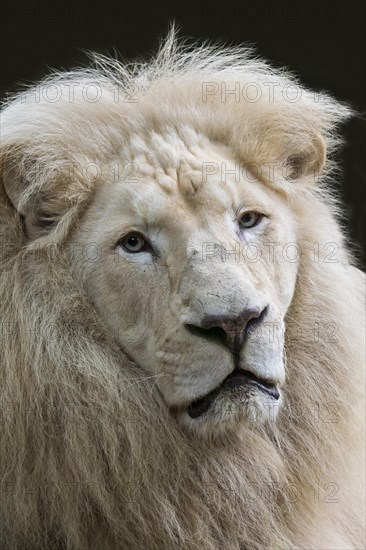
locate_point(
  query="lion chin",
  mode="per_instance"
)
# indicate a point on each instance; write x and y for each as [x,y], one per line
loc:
[182,321]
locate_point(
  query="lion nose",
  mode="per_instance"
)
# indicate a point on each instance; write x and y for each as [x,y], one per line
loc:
[228,330]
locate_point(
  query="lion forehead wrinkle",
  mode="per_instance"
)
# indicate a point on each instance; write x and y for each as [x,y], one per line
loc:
[171,162]
[188,184]
[166,181]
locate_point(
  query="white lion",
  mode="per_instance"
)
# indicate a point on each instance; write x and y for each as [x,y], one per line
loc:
[182,321]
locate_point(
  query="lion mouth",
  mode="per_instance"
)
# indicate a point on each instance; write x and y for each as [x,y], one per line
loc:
[237,378]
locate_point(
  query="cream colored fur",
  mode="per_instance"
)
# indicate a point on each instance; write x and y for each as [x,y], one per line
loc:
[97,367]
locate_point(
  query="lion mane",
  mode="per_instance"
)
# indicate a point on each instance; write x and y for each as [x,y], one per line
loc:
[90,456]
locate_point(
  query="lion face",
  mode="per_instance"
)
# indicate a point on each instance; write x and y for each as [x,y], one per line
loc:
[180,264]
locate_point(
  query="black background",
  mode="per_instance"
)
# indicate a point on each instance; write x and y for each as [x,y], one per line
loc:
[323,42]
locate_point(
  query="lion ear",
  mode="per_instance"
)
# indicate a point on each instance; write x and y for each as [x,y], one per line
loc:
[303,158]
[13,182]
[285,160]
[287,146]
[34,190]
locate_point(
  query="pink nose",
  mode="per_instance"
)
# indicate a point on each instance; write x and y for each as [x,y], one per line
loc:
[229,330]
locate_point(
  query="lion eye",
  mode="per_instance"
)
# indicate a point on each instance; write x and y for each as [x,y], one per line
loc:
[249,219]
[133,243]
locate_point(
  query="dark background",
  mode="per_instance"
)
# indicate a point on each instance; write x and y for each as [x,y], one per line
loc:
[321,41]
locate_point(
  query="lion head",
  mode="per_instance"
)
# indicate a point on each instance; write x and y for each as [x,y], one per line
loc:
[175,273]
[167,235]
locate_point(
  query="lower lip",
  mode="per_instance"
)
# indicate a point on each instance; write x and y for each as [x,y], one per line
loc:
[235,380]
[242,380]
